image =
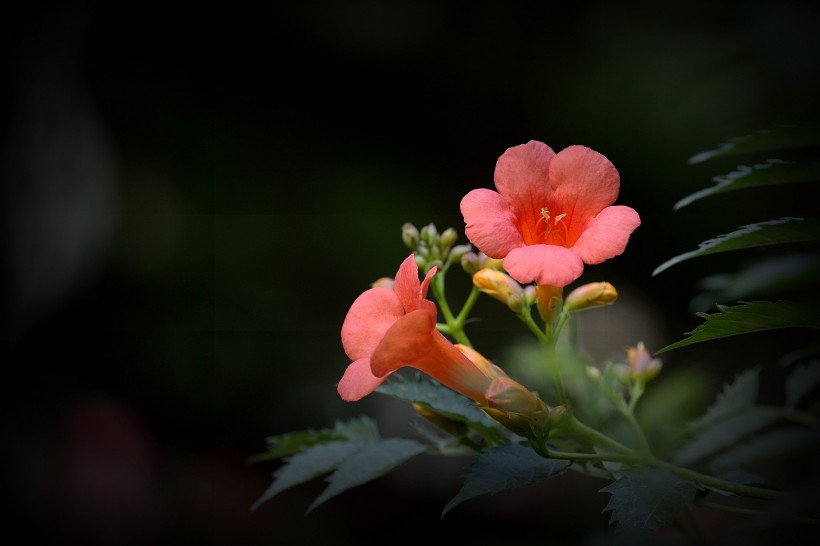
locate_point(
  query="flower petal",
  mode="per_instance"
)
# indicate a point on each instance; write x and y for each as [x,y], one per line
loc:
[373,312]
[583,182]
[414,341]
[607,234]
[545,264]
[358,381]
[407,285]
[490,224]
[521,175]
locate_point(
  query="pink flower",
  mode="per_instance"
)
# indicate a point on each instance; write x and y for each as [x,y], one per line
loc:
[552,213]
[388,328]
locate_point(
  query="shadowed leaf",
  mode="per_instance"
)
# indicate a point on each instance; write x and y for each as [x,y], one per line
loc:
[781,138]
[645,499]
[506,467]
[772,172]
[801,381]
[372,461]
[436,396]
[747,317]
[785,230]
[725,433]
[307,465]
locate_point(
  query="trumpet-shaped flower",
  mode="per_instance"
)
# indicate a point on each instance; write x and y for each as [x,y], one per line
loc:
[388,328]
[551,214]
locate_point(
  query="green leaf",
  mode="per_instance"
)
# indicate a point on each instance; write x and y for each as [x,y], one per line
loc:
[307,465]
[505,467]
[761,279]
[437,397]
[372,461]
[645,499]
[781,138]
[772,172]
[735,397]
[358,429]
[766,446]
[283,445]
[785,230]
[725,433]
[756,316]
[801,381]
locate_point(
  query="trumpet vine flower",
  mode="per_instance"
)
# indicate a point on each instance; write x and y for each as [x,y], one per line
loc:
[552,213]
[390,327]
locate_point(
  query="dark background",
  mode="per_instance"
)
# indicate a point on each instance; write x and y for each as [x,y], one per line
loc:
[192,198]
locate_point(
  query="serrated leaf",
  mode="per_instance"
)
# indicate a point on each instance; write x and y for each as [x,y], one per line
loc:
[645,499]
[772,172]
[748,317]
[737,396]
[793,272]
[781,138]
[725,433]
[358,429]
[766,446]
[774,232]
[801,381]
[505,467]
[289,443]
[372,461]
[307,465]
[437,397]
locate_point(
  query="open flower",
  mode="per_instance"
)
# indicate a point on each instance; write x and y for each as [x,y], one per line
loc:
[551,214]
[388,328]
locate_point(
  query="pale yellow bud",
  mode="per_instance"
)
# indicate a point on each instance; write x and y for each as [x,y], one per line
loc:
[383,282]
[549,300]
[594,294]
[498,285]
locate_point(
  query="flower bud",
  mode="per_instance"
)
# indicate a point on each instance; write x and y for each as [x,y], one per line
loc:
[498,285]
[458,429]
[508,395]
[549,301]
[641,364]
[429,233]
[493,263]
[470,263]
[383,282]
[594,373]
[410,235]
[421,261]
[594,294]
[459,251]
[556,415]
[448,237]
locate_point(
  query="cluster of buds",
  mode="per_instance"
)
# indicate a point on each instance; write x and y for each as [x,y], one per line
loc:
[431,248]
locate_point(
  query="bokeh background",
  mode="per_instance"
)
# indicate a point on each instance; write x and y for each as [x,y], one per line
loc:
[192,197]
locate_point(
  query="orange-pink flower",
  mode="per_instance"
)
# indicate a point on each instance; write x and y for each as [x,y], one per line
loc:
[551,214]
[388,328]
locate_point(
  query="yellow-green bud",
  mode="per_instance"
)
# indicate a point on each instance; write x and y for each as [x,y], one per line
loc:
[383,282]
[556,415]
[410,235]
[594,294]
[448,237]
[459,251]
[428,234]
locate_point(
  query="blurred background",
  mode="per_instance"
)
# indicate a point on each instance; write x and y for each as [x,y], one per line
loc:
[192,198]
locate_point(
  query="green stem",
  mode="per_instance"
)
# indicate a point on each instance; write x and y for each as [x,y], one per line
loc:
[467,307]
[454,328]
[751,512]
[555,372]
[711,481]
[526,317]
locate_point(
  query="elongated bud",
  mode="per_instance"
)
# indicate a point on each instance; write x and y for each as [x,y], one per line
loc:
[594,294]
[549,300]
[642,366]
[429,233]
[480,361]
[508,395]
[500,286]
[458,429]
